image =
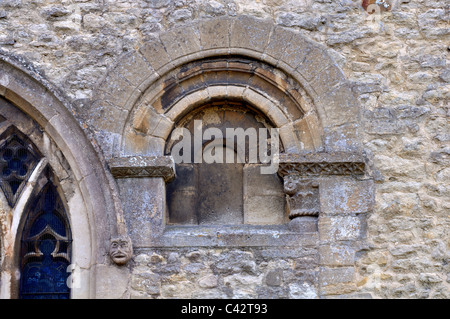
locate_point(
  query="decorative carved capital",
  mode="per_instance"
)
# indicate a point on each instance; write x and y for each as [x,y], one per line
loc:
[142,166]
[302,197]
[298,171]
[120,250]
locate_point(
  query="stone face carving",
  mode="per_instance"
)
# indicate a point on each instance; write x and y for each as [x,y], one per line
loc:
[120,250]
[302,197]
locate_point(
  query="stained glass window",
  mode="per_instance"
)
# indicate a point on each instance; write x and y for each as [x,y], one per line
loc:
[17,161]
[46,249]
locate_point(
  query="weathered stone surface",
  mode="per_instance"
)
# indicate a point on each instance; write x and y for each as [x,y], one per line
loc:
[144,206]
[256,30]
[320,164]
[343,196]
[394,107]
[141,166]
[215,33]
[181,42]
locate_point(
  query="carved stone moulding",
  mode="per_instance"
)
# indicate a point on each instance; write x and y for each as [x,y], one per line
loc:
[143,166]
[302,197]
[299,173]
[319,164]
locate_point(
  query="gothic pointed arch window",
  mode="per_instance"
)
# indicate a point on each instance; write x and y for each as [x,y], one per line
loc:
[46,245]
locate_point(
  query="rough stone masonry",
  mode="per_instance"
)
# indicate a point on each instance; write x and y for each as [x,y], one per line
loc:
[380,234]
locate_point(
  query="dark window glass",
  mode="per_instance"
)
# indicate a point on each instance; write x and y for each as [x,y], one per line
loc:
[17,162]
[46,249]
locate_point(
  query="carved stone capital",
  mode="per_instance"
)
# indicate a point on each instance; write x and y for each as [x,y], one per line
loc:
[299,170]
[302,196]
[143,166]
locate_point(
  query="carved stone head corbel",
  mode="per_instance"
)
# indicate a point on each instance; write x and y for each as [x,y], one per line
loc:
[120,250]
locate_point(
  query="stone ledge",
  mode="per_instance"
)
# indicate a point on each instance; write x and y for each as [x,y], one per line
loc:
[234,236]
[318,164]
[143,166]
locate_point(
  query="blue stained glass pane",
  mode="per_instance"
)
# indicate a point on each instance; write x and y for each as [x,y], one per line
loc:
[15,164]
[22,154]
[38,226]
[23,170]
[58,226]
[44,275]
[6,172]
[17,161]
[7,155]
[14,186]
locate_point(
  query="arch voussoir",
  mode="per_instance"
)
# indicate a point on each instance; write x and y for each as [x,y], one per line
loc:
[322,83]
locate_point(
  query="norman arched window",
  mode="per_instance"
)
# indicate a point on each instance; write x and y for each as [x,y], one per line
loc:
[46,245]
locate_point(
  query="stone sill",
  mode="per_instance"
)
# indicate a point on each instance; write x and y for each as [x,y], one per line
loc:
[234,236]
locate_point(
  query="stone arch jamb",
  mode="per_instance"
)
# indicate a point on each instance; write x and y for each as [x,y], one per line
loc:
[99,205]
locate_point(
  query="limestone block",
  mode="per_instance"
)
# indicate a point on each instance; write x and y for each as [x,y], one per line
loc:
[115,90]
[142,145]
[336,255]
[251,33]
[107,117]
[181,41]
[264,210]
[112,282]
[346,196]
[155,54]
[144,205]
[316,58]
[280,40]
[215,33]
[336,228]
[208,281]
[295,53]
[134,68]
[307,130]
[327,78]
[303,290]
[333,276]
[338,106]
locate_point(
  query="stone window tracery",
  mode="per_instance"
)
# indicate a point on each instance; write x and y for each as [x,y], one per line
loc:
[46,245]
[17,161]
